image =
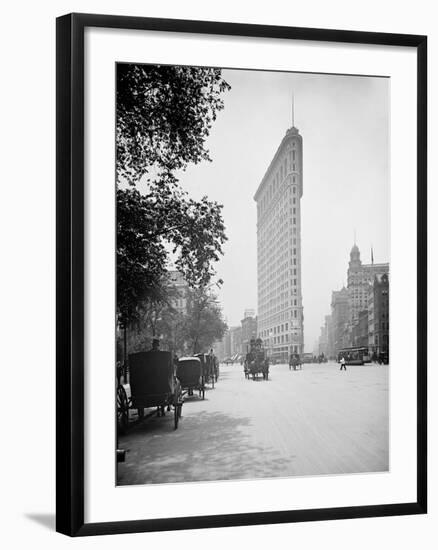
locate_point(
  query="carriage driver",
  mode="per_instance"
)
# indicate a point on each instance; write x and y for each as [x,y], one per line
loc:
[250,356]
[155,345]
[260,354]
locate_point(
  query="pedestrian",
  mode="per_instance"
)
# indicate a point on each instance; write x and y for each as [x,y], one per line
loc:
[155,345]
[342,361]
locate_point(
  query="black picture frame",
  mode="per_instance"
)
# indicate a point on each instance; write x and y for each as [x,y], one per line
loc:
[70,273]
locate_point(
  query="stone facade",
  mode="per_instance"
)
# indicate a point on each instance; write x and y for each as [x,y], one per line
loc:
[177,280]
[249,330]
[340,316]
[359,331]
[378,315]
[360,312]
[278,198]
[359,277]
[325,343]
[235,341]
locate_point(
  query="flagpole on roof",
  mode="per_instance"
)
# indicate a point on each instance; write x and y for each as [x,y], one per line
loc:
[293,110]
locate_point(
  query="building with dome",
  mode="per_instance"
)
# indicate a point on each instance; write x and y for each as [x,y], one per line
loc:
[359,278]
[280,308]
[360,311]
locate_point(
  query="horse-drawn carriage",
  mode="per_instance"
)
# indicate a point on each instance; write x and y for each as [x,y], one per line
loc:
[152,384]
[256,361]
[189,372]
[295,361]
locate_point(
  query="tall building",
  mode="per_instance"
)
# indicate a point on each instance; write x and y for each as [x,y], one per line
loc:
[249,331]
[359,332]
[227,344]
[179,301]
[378,316]
[324,338]
[340,314]
[355,310]
[235,340]
[278,197]
[359,278]
[330,337]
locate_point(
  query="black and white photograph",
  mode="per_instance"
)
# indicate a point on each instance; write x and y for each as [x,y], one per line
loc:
[218,262]
[253,274]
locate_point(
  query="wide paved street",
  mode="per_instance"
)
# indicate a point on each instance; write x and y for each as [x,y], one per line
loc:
[315,421]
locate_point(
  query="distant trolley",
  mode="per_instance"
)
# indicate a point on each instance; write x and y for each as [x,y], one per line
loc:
[307,358]
[354,356]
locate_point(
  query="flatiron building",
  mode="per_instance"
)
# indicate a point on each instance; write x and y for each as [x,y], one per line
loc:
[278,198]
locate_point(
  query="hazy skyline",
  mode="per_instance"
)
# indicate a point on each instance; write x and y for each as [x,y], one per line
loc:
[344,123]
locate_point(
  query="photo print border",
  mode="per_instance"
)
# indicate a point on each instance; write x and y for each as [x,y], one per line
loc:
[71,303]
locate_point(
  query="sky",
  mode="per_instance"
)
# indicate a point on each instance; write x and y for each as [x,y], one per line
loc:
[344,123]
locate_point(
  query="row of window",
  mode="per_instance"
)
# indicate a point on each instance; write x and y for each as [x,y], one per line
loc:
[278,329]
[272,194]
[278,209]
[266,322]
[275,273]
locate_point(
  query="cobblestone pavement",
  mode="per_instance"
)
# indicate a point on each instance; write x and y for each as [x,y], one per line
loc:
[315,421]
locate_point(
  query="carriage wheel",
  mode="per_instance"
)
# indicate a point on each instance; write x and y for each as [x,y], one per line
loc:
[122,410]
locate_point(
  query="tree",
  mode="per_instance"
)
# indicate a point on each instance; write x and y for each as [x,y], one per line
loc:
[204,322]
[147,225]
[164,115]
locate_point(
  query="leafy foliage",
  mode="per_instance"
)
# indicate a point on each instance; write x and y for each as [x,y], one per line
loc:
[146,226]
[194,331]
[205,323]
[164,115]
